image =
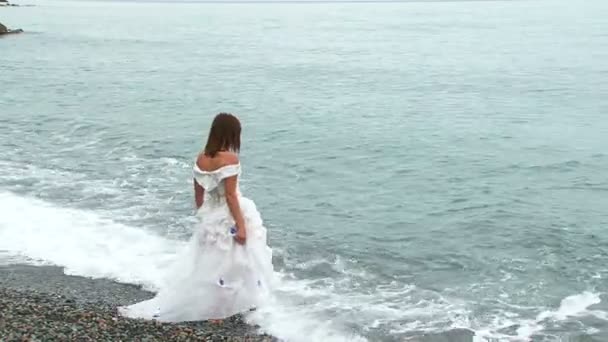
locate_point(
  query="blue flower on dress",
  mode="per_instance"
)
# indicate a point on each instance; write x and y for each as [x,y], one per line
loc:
[221,282]
[259,283]
[233,230]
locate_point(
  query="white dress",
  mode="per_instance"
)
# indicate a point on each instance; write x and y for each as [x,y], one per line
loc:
[214,277]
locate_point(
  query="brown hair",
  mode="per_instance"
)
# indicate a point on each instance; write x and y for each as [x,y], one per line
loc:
[224,135]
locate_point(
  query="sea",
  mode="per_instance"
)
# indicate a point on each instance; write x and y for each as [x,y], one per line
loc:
[427,170]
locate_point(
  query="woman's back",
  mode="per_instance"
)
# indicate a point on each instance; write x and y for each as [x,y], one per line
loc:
[221,159]
[217,176]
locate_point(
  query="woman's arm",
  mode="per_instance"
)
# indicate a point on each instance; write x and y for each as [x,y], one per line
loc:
[232,199]
[199,194]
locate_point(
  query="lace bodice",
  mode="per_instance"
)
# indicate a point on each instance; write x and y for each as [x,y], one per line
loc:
[213,181]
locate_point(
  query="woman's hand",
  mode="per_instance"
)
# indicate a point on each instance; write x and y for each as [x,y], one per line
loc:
[241,235]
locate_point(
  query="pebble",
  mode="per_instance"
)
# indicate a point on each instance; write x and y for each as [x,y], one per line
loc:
[38,304]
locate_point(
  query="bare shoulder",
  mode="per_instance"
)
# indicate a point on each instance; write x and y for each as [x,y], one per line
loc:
[229,158]
[201,161]
[220,160]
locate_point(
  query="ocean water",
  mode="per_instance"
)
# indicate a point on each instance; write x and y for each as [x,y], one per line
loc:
[428,171]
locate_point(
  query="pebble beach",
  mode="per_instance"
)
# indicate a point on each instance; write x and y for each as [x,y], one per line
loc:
[43,304]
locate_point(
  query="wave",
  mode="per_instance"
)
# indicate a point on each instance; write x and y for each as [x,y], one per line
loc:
[87,244]
[83,242]
[339,303]
[576,305]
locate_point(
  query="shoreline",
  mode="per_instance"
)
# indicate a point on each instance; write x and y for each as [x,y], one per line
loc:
[41,303]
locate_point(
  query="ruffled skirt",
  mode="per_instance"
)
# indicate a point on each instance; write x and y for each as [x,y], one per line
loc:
[214,277]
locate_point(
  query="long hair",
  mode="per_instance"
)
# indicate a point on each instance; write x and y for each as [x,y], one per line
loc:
[224,135]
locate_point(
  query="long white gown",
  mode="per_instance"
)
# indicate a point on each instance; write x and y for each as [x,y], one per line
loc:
[214,277]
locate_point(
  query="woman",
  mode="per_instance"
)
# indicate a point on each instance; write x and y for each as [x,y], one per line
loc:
[227,266]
